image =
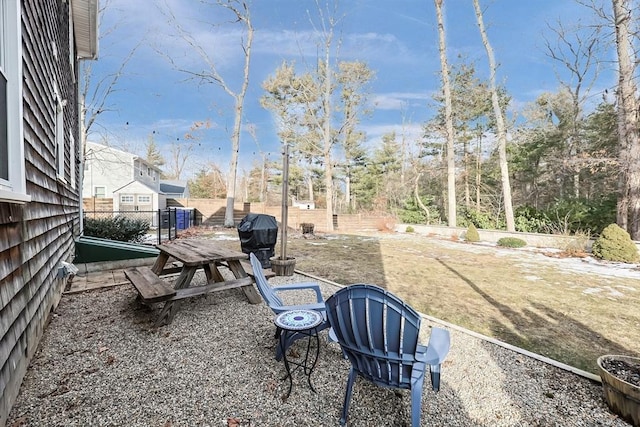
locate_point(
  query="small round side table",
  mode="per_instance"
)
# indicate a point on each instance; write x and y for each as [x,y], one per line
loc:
[305,323]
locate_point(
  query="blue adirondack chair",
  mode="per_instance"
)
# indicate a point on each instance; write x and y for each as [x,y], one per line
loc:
[378,333]
[269,294]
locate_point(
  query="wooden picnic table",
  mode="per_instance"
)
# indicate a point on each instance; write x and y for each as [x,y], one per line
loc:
[190,255]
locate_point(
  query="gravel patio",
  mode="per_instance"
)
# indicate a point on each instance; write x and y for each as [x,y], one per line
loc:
[101,363]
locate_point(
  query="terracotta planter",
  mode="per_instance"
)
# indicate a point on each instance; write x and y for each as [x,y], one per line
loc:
[622,397]
[283,267]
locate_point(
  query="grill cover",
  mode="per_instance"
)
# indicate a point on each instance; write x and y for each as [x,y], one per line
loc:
[258,234]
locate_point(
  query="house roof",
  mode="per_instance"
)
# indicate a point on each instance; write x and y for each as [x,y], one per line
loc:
[101,147]
[137,184]
[172,187]
[85,27]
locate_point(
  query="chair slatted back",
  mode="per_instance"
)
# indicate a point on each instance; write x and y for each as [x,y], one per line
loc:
[377,331]
[265,290]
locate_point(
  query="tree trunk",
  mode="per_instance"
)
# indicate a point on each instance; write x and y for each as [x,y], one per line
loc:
[237,123]
[347,190]
[446,86]
[467,190]
[500,123]
[418,200]
[310,188]
[628,209]
[233,163]
[478,170]
[326,134]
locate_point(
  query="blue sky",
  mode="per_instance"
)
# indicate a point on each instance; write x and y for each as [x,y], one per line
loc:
[398,39]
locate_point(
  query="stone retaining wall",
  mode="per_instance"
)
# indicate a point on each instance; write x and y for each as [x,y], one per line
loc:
[532,239]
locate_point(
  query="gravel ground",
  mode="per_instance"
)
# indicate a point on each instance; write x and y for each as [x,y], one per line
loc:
[102,363]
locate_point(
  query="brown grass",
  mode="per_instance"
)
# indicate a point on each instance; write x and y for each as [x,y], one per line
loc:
[529,301]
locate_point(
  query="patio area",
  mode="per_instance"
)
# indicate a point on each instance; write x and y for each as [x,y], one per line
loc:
[101,362]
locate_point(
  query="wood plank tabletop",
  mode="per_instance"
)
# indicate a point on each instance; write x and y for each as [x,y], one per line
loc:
[194,252]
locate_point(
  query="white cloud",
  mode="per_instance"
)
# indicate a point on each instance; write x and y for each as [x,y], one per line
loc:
[412,132]
[398,100]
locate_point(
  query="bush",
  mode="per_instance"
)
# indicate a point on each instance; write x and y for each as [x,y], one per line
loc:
[118,228]
[530,220]
[386,224]
[468,216]
[472,234]
[578,243]
[410,229]
[511,242]
[412,213]
[615,244]
[412,217]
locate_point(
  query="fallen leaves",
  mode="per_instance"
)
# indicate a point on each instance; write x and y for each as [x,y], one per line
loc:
[237,422]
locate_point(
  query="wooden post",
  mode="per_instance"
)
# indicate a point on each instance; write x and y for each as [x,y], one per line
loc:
[285,198]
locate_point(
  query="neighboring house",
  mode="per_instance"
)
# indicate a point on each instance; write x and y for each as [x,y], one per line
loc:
[302,204]
[108,170]
[174,189]
[41,42]
[132,182]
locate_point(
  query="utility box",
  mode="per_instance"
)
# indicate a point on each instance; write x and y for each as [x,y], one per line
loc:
[258,234]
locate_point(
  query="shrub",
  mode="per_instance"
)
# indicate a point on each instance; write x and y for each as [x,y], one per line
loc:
[615,244]
[468,216]
[511,242]
[386,224]
[578,243]
[410,229]
[412,217]
[412,213]
[118,228]
[472,234]
[530,220]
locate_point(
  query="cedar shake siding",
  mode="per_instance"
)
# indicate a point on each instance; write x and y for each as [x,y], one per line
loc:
[37,236]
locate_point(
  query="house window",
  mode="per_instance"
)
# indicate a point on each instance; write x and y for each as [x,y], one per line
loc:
[12,170]
[126,198]
[149,171]
[99,192]
[144,199]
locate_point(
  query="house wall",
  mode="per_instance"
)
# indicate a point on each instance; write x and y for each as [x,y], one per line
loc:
[105,167]
[143,172]
[35,237]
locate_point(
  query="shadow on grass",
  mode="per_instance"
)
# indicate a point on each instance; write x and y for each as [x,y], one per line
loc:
[335,261]
[562,338]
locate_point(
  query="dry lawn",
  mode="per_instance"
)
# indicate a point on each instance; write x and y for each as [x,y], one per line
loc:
[569,309]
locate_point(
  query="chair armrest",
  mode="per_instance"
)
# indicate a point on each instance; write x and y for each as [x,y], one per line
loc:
[301,286]
[438,348]
[317,307]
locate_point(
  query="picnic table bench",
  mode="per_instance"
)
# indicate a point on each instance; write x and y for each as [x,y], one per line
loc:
[190,255]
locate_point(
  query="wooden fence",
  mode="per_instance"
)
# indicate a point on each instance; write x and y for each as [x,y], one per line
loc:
[211,212]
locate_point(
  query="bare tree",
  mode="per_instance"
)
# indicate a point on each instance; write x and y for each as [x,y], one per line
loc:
[501,129]
[577,51]
[446,87]
[95,90]
[328,26]
[628,212]
[181,151]
[241,13]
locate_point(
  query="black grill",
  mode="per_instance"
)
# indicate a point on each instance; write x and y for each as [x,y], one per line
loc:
[258,234]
